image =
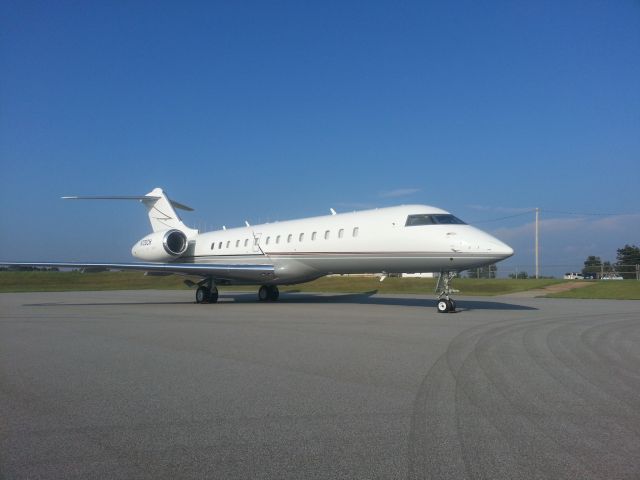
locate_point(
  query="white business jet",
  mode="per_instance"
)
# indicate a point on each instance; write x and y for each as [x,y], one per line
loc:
[408,238]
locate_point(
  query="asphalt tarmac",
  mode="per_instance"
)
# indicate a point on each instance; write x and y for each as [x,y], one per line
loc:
[147,384]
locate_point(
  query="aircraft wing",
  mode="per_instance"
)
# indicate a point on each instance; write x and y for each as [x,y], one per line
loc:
[231,272]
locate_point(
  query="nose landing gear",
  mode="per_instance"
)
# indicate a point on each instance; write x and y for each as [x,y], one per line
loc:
[446,304]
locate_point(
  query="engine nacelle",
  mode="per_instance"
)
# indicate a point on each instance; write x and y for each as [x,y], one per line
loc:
[161,246]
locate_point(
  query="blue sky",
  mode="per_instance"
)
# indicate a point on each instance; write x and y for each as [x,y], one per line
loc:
[275,110]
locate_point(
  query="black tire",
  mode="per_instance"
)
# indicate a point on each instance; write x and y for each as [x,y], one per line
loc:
[452,303]
[263,293]
[213,295]
[274,293]
[443,306]
[202,295]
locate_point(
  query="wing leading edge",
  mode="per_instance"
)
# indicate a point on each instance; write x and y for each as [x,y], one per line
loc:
[232,272]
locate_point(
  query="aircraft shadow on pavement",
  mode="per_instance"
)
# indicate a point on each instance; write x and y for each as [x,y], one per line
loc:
[364,298]
[371,298]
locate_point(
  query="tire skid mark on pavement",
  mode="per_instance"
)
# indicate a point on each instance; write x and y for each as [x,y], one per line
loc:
[538,395]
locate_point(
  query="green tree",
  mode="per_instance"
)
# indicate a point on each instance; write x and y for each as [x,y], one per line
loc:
[628,257]
[591,265]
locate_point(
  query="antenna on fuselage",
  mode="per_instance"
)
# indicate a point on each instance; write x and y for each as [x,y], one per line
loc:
[247,223]
[333,212]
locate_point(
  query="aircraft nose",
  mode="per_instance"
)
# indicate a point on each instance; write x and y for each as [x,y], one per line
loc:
[501,249]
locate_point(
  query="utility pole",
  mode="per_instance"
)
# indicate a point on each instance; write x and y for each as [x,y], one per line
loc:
[537,244]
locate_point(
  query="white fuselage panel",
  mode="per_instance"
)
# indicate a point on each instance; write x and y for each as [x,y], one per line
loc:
[359,242]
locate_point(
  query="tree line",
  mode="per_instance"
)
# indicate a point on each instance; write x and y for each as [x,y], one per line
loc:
[627,259]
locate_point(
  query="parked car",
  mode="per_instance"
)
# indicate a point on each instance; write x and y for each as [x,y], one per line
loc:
[573,276]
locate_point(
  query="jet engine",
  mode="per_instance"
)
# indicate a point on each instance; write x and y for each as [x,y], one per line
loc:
[161,246]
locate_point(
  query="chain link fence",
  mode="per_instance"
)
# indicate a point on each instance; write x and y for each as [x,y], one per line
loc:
[596,272]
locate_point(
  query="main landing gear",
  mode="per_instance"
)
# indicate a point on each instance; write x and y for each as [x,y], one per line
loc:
[446,304]
[268,293]
[207,292]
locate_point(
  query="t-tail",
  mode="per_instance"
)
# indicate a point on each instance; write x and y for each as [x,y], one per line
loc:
[170,239]
[162,214]
[160,208]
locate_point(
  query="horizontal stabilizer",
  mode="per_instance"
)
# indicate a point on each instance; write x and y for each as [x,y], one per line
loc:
[127,197]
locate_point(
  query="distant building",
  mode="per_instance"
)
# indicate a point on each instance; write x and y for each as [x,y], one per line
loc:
[419,275]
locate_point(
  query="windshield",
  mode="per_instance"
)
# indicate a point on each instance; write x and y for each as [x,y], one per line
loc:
[437,219]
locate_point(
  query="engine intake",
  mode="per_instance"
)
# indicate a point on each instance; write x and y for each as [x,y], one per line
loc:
[161,246]
[175,242]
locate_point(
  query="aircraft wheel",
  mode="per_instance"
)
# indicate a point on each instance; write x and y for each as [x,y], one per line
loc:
[263,293]
[203,294]
[213,295]
[452,305]
[443,306]
[274,293]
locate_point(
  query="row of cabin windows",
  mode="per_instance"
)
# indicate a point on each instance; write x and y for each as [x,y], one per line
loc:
[314,236]
[213,245]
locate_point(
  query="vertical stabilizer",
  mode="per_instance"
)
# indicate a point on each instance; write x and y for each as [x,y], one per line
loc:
[162,214]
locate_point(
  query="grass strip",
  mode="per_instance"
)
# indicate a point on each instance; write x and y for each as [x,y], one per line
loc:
[467,286]
[604,289]
[77,281]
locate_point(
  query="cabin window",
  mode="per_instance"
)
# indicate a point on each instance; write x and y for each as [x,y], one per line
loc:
[237,243]
[267,240]
[289,237]
[326,234]
[255,240]
[314,235]
[228,243]
[278,239]
[355,231]
[301,237]
[219,245]
[341,233]
[213,245]
[246,242]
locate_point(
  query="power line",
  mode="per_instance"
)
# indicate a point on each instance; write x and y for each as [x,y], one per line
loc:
[588,214]
[557,212]
[504,218]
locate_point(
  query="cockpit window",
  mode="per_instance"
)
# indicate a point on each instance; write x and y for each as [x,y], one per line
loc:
[413,220]
[447,220]
[439,219]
